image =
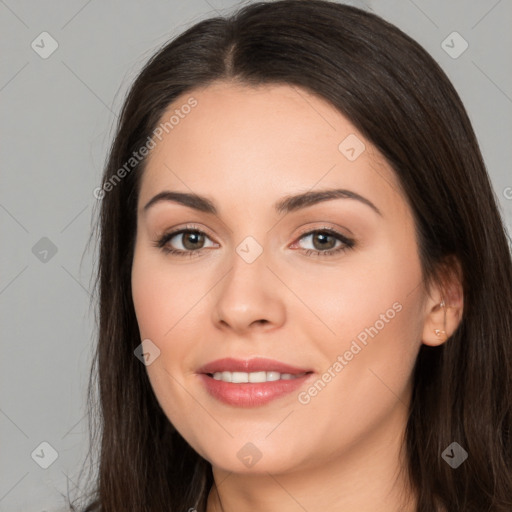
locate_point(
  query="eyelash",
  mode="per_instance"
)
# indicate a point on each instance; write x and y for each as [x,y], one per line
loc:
[347,242]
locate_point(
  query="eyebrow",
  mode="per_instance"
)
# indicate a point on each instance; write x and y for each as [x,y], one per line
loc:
[284,205]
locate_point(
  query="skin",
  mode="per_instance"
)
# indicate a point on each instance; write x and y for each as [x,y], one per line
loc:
[245,148]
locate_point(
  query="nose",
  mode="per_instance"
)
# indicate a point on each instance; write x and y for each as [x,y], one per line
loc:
[249,297]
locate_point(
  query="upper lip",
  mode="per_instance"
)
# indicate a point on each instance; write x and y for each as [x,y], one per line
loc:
[257,364]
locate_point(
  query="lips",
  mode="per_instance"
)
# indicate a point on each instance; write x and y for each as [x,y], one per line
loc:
[240,383]
[258,364]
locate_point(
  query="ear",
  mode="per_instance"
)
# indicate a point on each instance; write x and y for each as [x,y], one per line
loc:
[440,322]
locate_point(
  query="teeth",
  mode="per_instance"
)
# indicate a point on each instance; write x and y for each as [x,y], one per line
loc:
[240,377]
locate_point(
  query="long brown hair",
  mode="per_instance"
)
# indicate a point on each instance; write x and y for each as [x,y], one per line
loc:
[399,99]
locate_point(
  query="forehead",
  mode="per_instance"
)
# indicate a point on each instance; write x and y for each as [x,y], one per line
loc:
[265,141]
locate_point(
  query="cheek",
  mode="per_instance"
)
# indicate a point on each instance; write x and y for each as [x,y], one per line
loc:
[152,306]
[371,330]
[376,287]
[164,296]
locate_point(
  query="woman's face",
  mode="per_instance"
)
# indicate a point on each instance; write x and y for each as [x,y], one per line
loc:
[330,287]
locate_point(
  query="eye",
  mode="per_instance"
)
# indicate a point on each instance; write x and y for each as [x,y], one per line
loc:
[324,242]
[188,242]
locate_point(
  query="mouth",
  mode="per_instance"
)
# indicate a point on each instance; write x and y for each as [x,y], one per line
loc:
[251,383]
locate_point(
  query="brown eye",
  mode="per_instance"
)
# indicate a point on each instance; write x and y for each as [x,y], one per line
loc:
[192,240]
[184,242]
[325,242]
[322,240]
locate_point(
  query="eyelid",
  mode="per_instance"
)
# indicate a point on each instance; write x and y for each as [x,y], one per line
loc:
[175,230]
[303,231]
[330,229]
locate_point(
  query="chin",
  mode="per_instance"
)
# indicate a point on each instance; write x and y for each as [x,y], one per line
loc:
[252,457]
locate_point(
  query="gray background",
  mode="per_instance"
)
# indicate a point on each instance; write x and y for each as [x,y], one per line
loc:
[57,124]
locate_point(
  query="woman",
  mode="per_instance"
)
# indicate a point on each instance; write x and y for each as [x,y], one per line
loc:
[304,280]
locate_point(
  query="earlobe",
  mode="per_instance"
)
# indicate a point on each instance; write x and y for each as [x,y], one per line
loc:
[445,304]
[435,328]
[441,333]
[441,323]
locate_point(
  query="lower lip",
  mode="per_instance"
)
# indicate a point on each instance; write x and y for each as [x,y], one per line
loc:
[247,394]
